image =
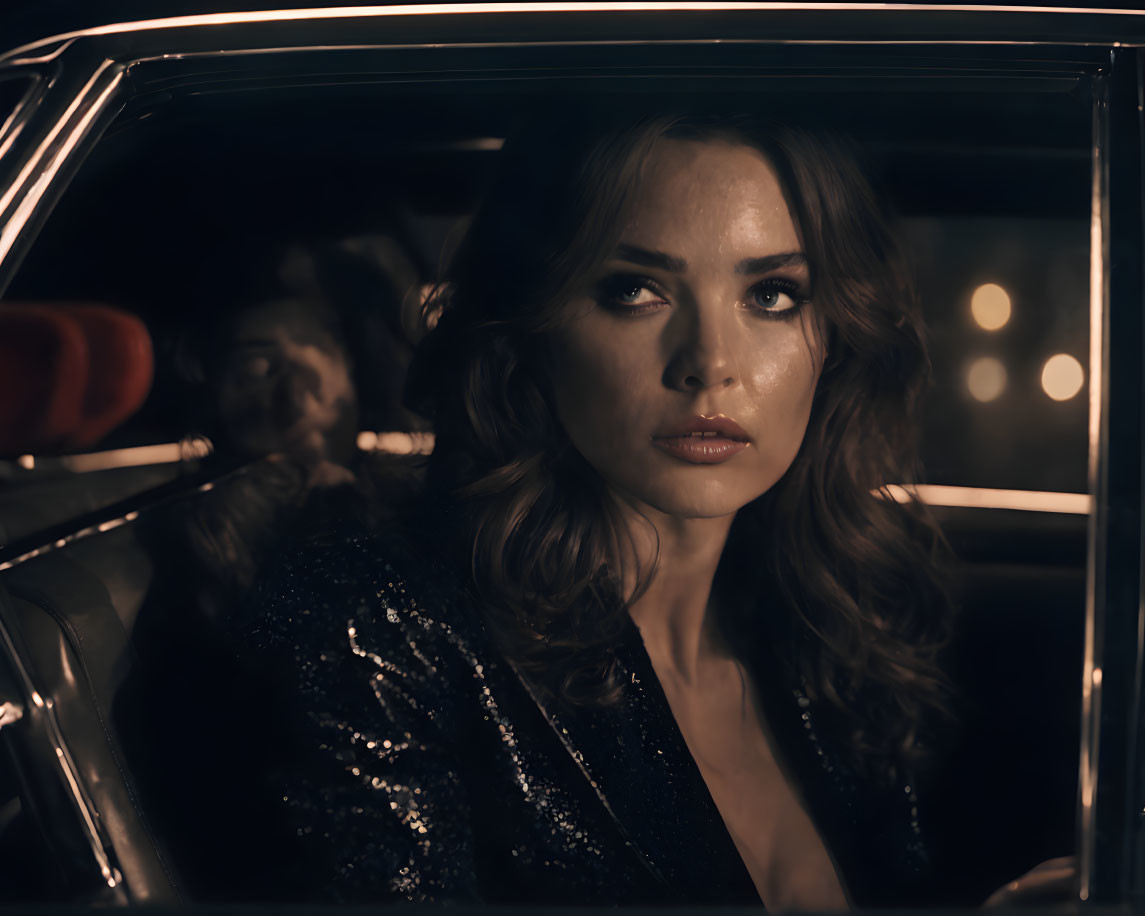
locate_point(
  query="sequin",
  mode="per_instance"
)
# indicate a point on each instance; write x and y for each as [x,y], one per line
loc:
[442,774]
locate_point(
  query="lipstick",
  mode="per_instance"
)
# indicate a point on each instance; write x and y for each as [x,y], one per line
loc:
[703,440]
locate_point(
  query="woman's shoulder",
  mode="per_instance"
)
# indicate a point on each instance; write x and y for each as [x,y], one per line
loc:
[358,653]
[352,586]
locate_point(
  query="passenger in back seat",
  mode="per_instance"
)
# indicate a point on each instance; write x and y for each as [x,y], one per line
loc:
[303,343]
[290,347]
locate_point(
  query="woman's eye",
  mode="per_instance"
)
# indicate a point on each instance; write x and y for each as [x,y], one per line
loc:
[776,298]
[628,293]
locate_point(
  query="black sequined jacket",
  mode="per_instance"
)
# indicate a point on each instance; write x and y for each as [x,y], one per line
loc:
[423,767]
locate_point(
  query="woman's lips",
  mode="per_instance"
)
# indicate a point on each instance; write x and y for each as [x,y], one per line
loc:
[697,450]
[703,440]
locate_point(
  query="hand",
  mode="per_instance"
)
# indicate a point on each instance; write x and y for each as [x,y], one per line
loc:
[1051,882]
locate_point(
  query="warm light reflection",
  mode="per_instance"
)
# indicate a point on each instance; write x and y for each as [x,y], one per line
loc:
[984,498]
[1062,377]
[990,306]
[194,448]
[138,456]
[986,379]
[396,443]
[10,712]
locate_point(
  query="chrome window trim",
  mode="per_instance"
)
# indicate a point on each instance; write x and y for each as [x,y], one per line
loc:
[60,139]
[1109,797]
[1098,396]
[511,8]
[14,122]
[818,17]
[620,43]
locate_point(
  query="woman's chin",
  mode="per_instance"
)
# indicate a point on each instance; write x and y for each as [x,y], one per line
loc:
[698,505]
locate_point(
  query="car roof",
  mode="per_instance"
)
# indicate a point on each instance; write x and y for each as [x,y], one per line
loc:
[53,20]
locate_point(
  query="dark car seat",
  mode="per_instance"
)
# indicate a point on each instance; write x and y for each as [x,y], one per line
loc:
[66,653]
[134,757]
[1006,797]
[74,371]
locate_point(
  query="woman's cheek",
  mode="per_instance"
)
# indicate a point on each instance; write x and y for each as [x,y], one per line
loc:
[782,391]
[786,368]
[606,417]
[578,391]
[601,364]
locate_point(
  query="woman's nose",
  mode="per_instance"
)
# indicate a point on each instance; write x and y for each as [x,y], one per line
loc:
[702,358]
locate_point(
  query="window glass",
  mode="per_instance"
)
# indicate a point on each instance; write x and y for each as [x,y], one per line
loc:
[1007,302]
[203,219]
[993,192]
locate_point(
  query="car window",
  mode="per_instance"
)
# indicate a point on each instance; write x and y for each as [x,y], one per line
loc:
[1007,303]
[276,243]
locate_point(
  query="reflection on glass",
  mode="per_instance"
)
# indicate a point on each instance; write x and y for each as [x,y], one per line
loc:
[990,306]
[986,379]
[1062,377]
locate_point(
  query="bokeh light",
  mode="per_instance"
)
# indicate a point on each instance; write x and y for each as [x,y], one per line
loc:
[990,306]
[1062,377]
[986,379]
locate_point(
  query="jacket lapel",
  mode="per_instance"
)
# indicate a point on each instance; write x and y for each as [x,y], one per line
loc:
[635,760]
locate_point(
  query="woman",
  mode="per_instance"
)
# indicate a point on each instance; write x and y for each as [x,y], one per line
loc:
[656,637]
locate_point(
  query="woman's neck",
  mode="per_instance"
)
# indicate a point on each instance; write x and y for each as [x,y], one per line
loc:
[673,614]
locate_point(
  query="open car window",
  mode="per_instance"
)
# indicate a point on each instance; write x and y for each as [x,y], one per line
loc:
[206,188]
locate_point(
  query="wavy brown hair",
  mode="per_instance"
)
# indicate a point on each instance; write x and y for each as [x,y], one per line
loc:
[856,570]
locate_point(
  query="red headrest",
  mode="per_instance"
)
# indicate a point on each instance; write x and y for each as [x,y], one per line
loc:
[70,373]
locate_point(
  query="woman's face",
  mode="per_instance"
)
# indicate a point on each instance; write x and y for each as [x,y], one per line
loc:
[686,369]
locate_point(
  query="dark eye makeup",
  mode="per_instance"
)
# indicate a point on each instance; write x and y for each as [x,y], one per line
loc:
[764,298]
[620,293]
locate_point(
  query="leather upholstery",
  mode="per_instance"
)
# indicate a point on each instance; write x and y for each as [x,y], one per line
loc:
[68,632]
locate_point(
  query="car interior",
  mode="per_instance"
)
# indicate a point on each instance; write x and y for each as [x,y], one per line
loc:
[104,601]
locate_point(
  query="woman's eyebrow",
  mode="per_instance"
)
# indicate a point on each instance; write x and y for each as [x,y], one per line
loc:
[673,264]
[771,262]
[649,258]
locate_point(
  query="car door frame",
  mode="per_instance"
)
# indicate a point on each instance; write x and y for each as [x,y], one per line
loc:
[84,79]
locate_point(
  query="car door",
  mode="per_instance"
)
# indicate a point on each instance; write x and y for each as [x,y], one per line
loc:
[1008,140]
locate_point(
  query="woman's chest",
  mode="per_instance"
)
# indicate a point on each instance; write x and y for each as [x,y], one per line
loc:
[758,800]
[588,804]
[592,805]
